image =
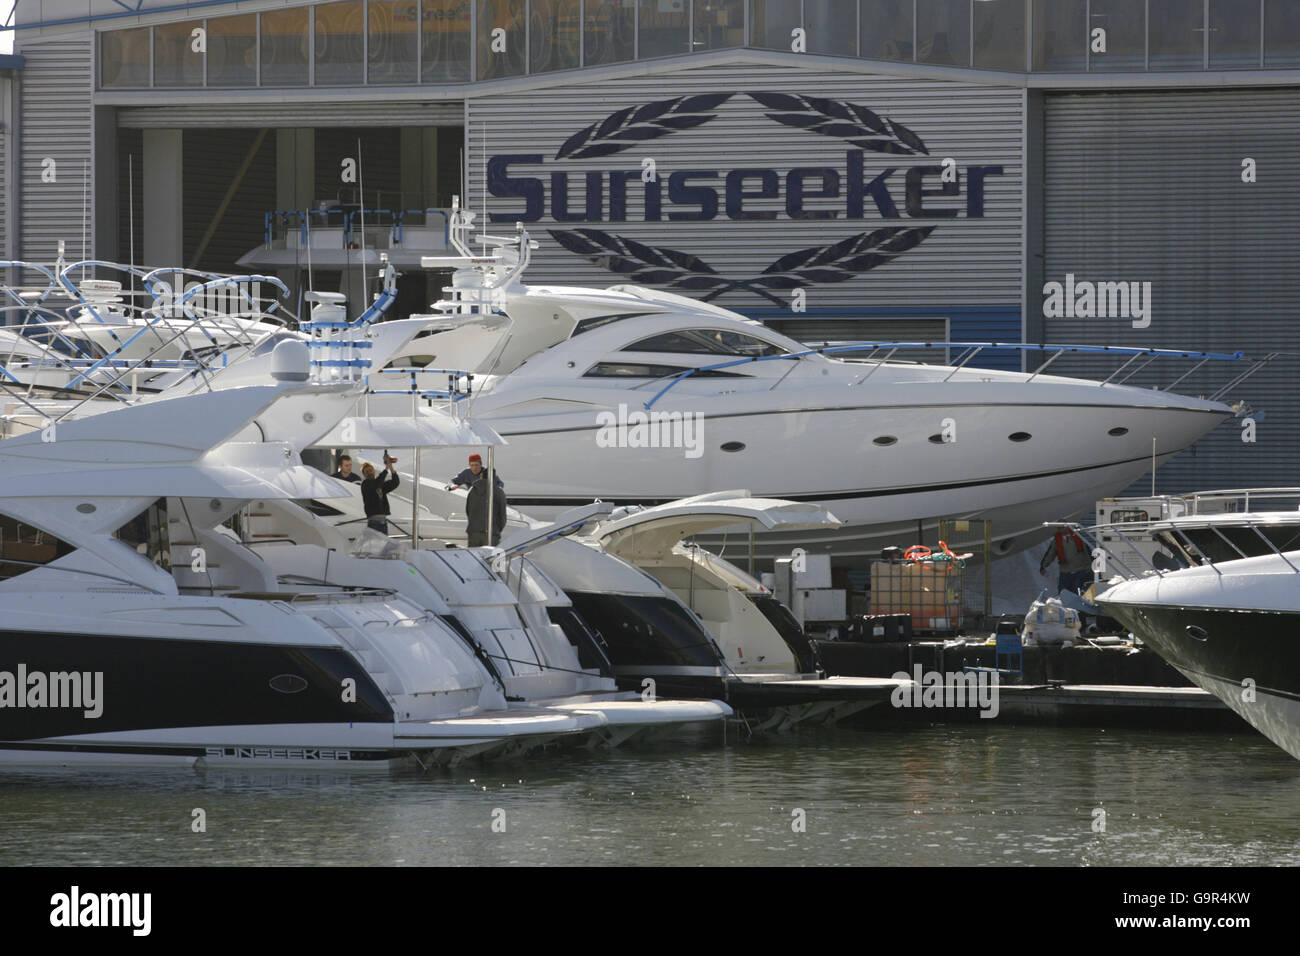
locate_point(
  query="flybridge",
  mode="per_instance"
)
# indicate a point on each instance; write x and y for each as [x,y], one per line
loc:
[918,192]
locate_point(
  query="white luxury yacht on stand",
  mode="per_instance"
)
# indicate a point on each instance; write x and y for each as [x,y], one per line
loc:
[637,396]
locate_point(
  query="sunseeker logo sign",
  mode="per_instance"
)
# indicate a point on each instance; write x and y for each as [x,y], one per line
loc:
[899,195]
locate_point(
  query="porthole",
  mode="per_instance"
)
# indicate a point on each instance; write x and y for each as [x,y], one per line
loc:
[1020,436]
[732,446]
[288,684]
[1004,547]
[1118,432]
[884,440]
[86,508]
[936,439]
[1197,633]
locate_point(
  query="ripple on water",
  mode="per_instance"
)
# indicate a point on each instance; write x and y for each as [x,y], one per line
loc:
[923,796]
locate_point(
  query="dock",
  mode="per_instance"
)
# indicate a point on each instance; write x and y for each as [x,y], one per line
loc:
[1059,686]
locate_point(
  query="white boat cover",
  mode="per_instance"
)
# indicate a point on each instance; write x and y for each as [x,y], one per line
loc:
[653,532]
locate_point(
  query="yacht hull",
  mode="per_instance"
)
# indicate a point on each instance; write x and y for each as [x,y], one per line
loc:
[1249,659]
[830,457]
[73,698]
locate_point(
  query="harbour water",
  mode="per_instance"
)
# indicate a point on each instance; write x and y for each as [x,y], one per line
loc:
[934,795]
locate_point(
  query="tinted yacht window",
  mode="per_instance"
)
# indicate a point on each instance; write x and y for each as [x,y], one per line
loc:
[641,370]
[148,534]
[707,342]
[23,547]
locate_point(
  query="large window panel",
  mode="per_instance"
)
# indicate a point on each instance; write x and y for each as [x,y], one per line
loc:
[340,43]
[24,548]
[175,61]
[772,22]
[719,24]
[998,39]
[285,47]
[394,37]
[1177,34]
[1060,35]
[832,27]
[885,28]
[1234,34]
[1125,24]
[124,59]
[502,40]
[554,35]
[445,41]
[232,51]
[1282,33]
[664,28]
[609,34]
[943,32]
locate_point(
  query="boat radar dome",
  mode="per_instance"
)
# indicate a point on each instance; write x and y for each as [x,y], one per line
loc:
[290,362]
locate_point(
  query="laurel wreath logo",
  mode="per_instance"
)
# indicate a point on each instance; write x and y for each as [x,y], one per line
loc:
[674,269]
[848,121]
[636,124]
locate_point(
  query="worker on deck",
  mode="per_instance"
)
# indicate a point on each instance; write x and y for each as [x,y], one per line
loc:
[374,493]
[476,509]
[1074,560]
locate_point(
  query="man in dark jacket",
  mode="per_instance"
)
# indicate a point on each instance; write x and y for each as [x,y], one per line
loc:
[470,475]
[476,509]
[374,493]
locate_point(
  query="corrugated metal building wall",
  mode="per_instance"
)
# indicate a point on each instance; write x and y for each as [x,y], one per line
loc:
[213,159]
[962,262]
[56,125]
[1147,186]
[6,143]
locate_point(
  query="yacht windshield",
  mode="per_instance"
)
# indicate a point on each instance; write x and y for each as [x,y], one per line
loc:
[642,370]
[707,342]
[1242,541]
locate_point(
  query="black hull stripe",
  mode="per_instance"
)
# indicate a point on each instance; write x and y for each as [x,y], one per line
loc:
[518,502]
[153,683]
[1239,644]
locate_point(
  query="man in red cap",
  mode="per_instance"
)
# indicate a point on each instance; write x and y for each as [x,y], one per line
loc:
[470,474]
[476,504]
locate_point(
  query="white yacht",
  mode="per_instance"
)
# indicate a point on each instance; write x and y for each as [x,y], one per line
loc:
[645,610]
[93,317]
[637,396]
[137,628]
[531,660]
[1228,627]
